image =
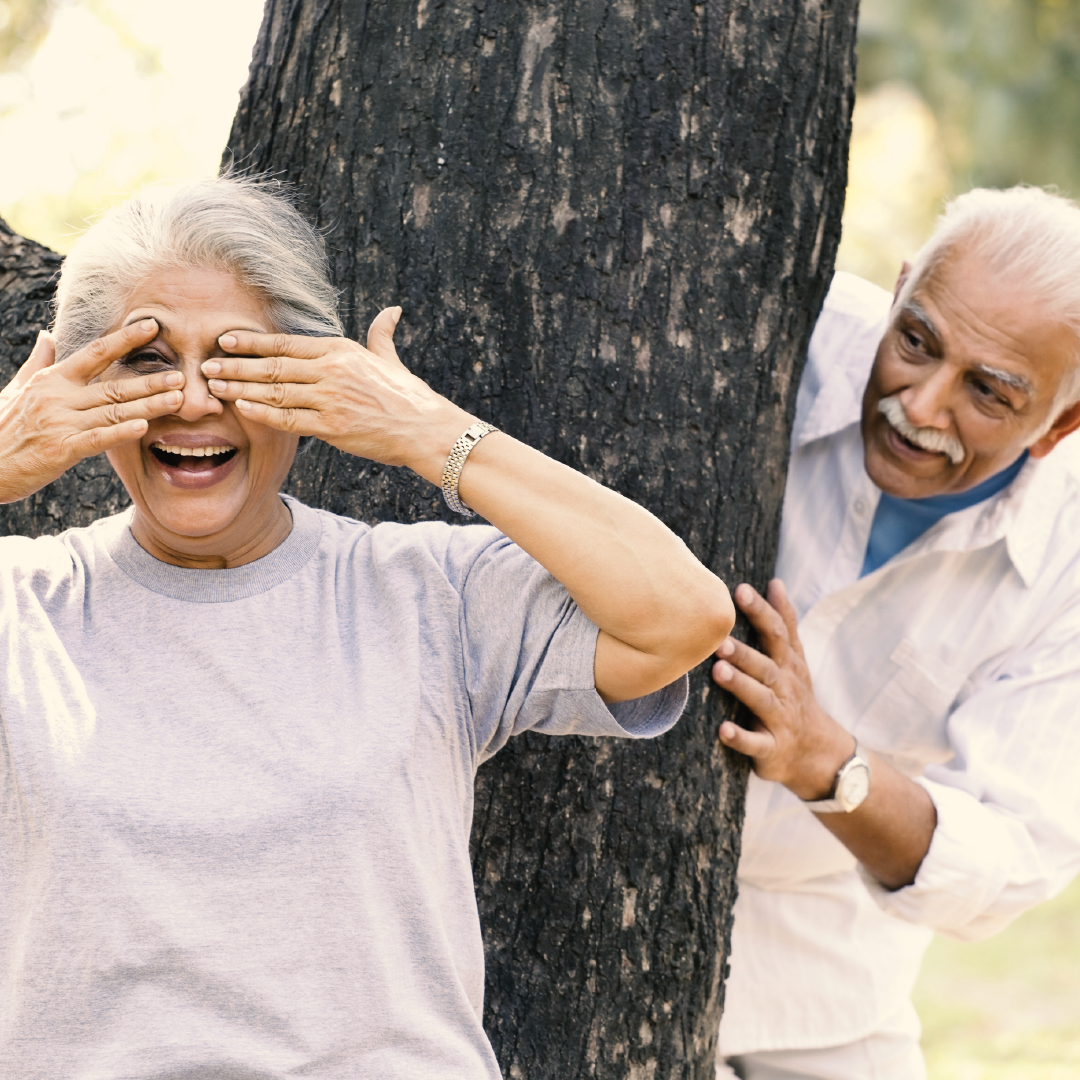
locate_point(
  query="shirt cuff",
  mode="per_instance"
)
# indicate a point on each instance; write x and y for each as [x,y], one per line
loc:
[652,715]
[963,873]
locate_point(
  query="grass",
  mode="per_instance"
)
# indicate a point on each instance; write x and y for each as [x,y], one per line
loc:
[1007,1008]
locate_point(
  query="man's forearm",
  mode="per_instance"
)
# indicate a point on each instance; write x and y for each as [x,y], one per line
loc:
[890,832]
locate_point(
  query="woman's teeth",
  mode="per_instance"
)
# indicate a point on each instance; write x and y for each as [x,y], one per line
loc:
[193,451]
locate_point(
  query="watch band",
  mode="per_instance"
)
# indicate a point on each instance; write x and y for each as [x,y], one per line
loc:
[456,462]
[843,801]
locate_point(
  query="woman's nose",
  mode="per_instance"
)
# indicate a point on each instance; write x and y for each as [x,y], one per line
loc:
[198,401]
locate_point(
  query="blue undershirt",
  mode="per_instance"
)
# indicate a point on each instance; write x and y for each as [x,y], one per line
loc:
[898,522]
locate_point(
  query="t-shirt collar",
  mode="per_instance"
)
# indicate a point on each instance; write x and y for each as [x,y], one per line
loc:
[217,586]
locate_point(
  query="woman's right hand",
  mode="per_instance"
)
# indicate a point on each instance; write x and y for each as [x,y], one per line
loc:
[54,415]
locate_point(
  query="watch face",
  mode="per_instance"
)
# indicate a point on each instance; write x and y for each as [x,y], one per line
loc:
[854,786]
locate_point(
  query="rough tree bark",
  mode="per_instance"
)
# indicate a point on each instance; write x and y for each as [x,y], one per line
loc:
[611,225]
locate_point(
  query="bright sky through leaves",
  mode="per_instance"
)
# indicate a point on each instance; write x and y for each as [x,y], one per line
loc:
[119,93]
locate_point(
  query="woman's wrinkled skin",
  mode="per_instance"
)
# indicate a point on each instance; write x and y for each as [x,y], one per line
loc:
[211,511]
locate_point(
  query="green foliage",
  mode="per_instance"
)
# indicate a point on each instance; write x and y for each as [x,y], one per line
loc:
[1001,76]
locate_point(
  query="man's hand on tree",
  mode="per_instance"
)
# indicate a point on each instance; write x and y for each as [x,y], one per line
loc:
[54,415]
[795,742]
[798,744]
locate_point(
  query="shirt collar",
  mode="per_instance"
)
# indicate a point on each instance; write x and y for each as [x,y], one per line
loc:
[838,401]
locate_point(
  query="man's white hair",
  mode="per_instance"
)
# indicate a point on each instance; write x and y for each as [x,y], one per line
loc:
[246,226]
[1027,235]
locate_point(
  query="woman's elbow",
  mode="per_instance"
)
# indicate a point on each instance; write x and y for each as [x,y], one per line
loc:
[704,624]
[718,618]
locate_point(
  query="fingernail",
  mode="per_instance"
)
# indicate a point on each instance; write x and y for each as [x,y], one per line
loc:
[174,378]
[397,315]
[723,671]
[227,341]
[174,398]
[727,648]
[218,386]
[148,325]
[242,405]
[211,367]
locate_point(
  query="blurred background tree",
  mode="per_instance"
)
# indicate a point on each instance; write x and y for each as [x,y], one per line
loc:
[953,94]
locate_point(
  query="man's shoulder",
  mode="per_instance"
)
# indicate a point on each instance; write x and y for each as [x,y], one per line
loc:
[854,297]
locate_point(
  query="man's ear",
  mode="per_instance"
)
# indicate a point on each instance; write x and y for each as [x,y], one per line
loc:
[905,269]
[1067,422]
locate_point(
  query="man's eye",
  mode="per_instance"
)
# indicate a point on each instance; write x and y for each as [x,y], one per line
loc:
[988,392]
[913,341]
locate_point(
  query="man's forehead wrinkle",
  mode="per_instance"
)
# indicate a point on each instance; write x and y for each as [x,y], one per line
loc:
[915,310]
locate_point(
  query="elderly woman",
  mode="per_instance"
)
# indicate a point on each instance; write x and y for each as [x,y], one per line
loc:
[240,734]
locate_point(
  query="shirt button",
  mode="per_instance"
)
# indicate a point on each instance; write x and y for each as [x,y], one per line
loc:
[860,507]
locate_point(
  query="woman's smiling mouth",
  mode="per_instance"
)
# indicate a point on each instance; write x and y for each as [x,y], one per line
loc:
[193,466]
[169,454]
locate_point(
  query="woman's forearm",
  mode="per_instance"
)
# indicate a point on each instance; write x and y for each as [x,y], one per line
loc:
[659,610]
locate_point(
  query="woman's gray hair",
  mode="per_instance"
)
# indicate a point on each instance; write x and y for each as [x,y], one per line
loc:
[1029,236]
[246,226]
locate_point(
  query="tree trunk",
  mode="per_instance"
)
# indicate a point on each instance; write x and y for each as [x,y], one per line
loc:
[611,226]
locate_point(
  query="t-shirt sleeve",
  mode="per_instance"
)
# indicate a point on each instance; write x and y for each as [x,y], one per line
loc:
[528,655]
[1008,803]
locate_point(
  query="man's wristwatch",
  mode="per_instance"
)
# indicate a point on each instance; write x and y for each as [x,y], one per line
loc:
[850,788]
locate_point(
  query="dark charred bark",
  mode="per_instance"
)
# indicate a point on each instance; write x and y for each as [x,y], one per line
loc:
[611,225]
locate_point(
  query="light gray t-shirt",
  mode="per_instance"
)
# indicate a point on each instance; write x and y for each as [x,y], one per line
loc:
[235,804]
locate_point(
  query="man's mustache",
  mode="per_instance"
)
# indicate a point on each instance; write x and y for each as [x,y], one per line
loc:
[937,442]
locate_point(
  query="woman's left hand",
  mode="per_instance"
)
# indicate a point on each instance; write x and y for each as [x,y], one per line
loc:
[361,400]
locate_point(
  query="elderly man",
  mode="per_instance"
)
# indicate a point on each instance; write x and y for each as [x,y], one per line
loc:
[916,750]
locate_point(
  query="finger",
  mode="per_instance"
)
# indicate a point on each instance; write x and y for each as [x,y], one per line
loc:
[42,355]
[147,408]
[258,369]
[766,621]
[755,744]
[98,440]
[297,421]
[279,395]
[756,696]
[274,345]
[753,663]
[380,335]
[116,391]
[89,362]
[778,597]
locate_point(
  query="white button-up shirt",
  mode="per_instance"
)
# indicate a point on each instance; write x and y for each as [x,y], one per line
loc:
[959,662]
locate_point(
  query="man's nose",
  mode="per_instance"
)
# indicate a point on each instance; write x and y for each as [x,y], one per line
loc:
[927,401]
[198,401]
